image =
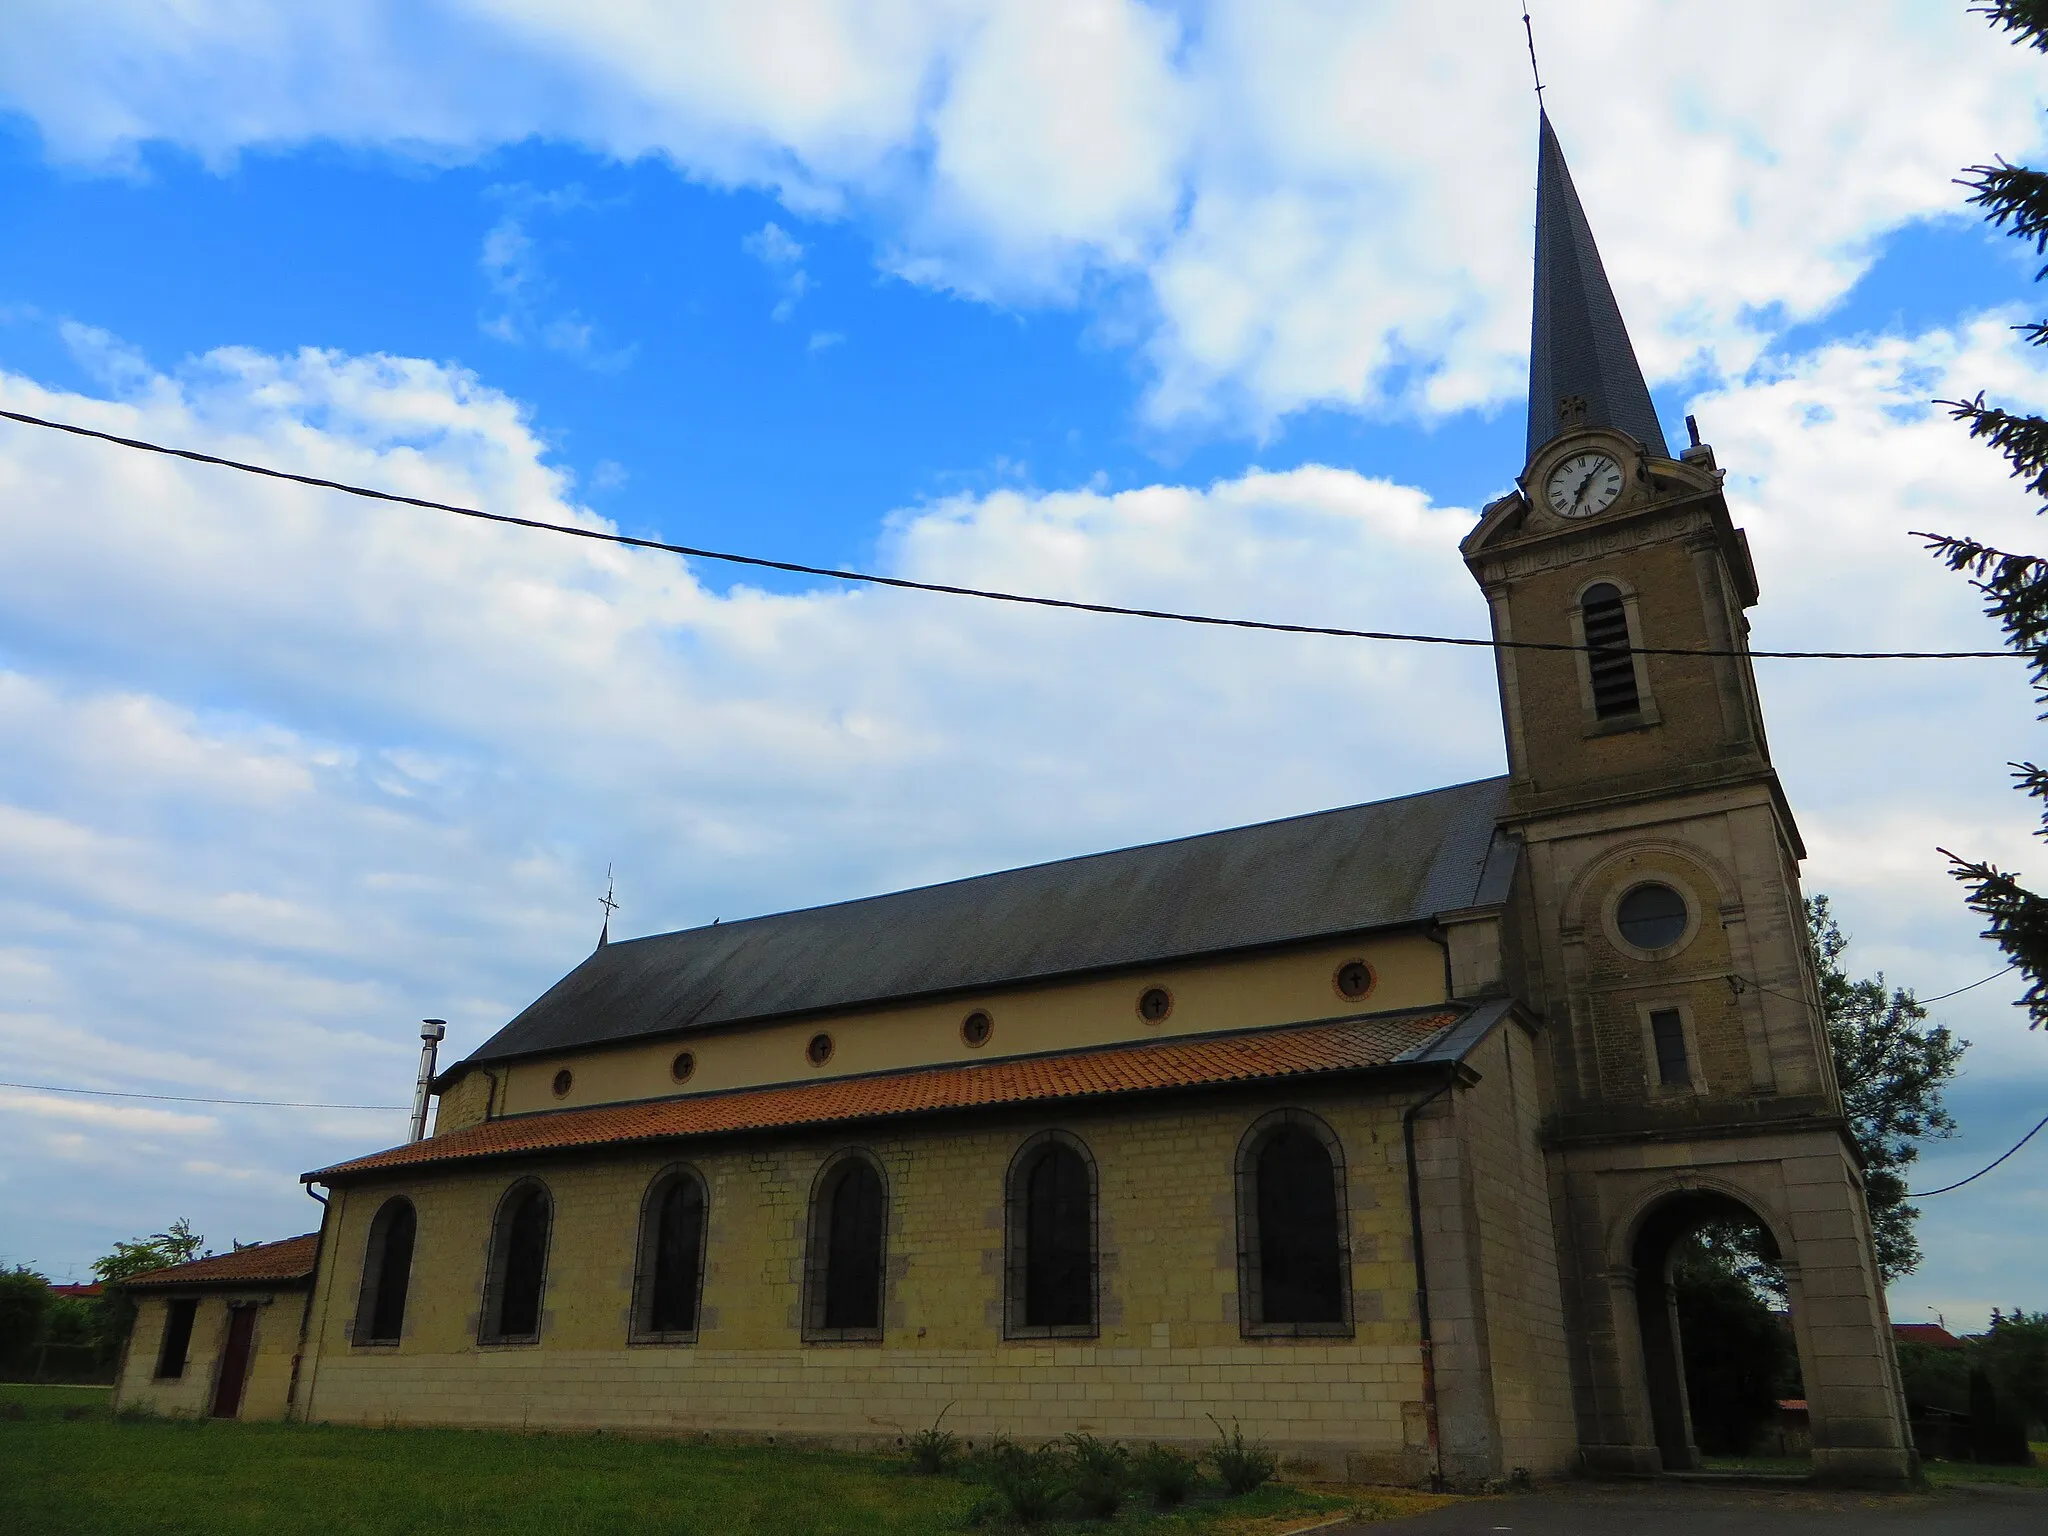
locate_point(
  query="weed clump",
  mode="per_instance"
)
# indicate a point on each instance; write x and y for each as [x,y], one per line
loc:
[1101,1474]
[1242,1465]
[1165,1474]
[933,1451]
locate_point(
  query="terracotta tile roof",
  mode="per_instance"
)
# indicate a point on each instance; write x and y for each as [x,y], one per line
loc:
[1346,1046]
[258,1264]
[77,1292]
[1932,1335]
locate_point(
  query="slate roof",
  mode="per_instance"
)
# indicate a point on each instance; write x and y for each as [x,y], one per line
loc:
[282,1263]
[1578,344]
[1385,864]
[1363,1043]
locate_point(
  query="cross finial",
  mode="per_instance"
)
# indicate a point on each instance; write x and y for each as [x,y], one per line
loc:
[1529,30]
[610,906]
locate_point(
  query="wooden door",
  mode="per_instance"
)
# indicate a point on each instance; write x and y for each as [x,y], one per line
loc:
[234,1362]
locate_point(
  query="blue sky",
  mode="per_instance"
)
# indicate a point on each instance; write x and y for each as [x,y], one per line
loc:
[1219,306]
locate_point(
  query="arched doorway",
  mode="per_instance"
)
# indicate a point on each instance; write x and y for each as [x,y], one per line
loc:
[1711,1289]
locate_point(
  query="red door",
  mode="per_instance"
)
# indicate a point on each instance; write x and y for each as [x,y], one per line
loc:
[234,1362]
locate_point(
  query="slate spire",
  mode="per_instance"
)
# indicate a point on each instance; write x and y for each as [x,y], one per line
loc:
[1582,369]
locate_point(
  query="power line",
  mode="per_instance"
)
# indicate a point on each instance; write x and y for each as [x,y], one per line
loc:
[1973,986]
[176,1098]
[869,578]
[1973,1178]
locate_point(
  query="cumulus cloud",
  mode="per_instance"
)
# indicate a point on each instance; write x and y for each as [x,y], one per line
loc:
[1283,203]
[281,772]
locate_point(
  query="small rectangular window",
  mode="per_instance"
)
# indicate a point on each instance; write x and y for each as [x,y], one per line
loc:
[170,1359]
[1668,1031]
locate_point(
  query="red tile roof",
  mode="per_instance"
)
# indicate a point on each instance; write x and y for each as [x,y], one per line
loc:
[258,1264]
[1349,1046]
[77,1292]
[1932,1335]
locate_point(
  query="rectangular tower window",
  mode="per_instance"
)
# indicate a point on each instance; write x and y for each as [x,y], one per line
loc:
[170,1359]
[1668,1030]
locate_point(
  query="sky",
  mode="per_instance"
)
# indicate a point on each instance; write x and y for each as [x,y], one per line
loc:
[1216,306]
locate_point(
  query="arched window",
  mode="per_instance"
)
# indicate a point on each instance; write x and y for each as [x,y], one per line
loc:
[387,1270]
[519,1265]
[843,1269]
[1050,1277]
[669,1277]
[1609,659]
[1294,1263]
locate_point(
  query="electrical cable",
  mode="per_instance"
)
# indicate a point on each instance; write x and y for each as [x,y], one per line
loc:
[986,594]
[1959,991]
[177,1098]
[1924,1194]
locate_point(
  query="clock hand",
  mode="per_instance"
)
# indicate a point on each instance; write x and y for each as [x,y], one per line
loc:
[1580,494]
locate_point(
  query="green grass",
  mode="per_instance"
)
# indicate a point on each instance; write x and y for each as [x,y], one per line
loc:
[90,1474]
[1953,1474]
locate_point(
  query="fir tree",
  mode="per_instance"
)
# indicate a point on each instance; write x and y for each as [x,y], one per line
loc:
[2015,586]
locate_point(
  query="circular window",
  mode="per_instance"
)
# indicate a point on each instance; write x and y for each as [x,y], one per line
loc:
[1154,1004]
[1353,979]
[977,1027]
[1651,916]
[563,1079]
[819,1051]
[683,1066]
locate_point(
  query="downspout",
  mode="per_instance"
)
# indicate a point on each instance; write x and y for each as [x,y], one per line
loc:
[1429,1409]
[291,1392]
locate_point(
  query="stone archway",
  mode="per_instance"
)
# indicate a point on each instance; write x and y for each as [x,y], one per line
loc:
[1658,1233]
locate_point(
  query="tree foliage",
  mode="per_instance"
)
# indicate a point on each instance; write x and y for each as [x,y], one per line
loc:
[177,1244]
[24,1304]
[1891,1066]
[2014,199]
[1739,1356]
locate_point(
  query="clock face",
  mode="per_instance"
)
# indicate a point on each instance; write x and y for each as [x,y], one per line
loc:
[1583,484]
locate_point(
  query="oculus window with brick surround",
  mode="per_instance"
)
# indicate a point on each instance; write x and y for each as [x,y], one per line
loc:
[1294,1263]
[177,1340]
[843,1266]
[1651,916]
[668,1281]
[519,1263]
[387,1272]
[1050,1279]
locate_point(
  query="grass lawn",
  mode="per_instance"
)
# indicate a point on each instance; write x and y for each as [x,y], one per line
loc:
[68,1468]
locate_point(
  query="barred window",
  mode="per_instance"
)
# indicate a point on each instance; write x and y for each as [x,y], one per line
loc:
[669,1279]
[387,1272]
[1609,657]
[519,1262]
[1051,1274]
[1293,1259]
[843,1274]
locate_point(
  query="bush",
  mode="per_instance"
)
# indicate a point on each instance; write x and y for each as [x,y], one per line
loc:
[1101,1474]
[934,1450]
[1029,1484]
[1242,1464]
[24,1302]
[1166,1474]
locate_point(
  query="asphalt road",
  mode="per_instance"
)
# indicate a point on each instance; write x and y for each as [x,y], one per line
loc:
[1593,1509]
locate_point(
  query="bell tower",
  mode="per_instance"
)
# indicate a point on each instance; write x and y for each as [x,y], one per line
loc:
[1657,903]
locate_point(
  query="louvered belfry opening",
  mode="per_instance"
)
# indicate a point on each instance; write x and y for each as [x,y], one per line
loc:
[1608,654]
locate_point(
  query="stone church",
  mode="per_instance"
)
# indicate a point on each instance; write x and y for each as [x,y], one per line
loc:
[1372,1129]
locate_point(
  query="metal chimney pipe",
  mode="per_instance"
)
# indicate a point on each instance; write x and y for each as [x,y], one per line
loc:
[432,1033]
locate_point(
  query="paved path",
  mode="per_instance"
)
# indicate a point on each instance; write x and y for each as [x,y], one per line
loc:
[1594,1509]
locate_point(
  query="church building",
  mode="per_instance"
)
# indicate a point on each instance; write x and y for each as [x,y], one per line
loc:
[1372,1130]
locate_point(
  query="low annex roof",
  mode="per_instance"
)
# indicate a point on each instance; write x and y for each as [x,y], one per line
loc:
[1385,864]
[1327,1047]
[280,1263]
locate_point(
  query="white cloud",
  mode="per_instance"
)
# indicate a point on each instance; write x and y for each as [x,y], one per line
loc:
[1283,202]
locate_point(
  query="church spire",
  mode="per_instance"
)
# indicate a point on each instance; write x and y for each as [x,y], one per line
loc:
[1582,370]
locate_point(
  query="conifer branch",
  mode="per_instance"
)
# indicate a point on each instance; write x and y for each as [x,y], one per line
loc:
[2026,18]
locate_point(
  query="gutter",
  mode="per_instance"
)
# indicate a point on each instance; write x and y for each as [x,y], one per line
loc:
[1429,1399]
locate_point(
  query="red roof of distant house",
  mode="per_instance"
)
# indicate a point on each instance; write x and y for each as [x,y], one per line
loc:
[285,1263]
[1380,1040]
[1929,1335]
[77,1292]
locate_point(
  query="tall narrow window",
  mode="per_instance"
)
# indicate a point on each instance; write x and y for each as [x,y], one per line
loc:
[844,1272]
[1294,1268]
[1608,655]
[670,1274]
[1667,1032]
[387,1271]
[1051,1271]
[177,1343]
[519,1262]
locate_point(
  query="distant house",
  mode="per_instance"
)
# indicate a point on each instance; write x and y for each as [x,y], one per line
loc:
[78,1292]
[1926,1335]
